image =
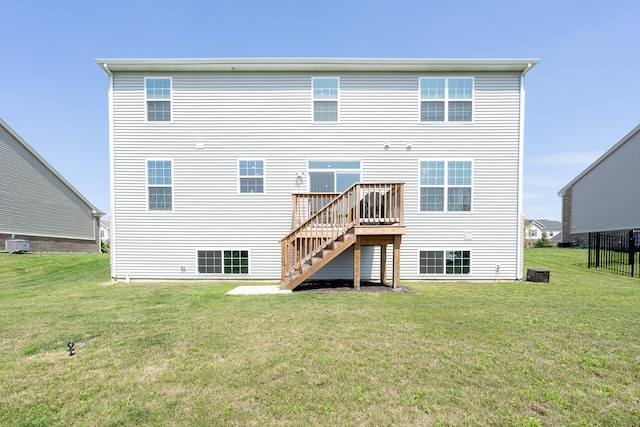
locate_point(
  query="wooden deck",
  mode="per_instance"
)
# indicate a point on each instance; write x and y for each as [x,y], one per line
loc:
[326,224]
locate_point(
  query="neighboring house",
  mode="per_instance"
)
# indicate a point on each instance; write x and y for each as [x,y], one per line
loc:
[536,227]
[297,169]
[606,195]
[39,205]
[104,229]
[557,238]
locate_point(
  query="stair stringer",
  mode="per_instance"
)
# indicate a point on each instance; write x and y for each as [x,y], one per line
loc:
[340,244]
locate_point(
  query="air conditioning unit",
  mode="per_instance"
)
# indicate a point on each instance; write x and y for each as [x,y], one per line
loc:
[17,246]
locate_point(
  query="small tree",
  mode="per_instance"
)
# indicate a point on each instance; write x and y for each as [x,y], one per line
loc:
[543,241]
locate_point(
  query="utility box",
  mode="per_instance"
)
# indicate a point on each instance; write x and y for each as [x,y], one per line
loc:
[537,275]
[17,246]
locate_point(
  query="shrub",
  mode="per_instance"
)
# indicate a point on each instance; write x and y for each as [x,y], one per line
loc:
[543,241]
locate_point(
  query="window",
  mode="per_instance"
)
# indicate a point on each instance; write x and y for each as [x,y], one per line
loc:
[333,177]
[533,232]
[458,262]
[223,262]
[438,192]
[447,262]
[325,99]
[431,262]
[446,99]
[158,95]
[159,185]
[251,173]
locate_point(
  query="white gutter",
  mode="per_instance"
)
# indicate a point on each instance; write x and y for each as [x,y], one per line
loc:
[520,224]
[315,64]
[112,219]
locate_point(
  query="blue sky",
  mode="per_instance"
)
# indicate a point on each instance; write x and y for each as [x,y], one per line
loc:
[581,99]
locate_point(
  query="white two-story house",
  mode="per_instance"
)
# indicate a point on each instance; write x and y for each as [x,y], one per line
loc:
[298,169]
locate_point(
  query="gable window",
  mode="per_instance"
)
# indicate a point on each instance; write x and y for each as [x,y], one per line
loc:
[533,232]
[251,174]
[445,262]
[333,176]
[223,262]
[446,99]
[445,186]
[159,185]
[158,96]
[325,99]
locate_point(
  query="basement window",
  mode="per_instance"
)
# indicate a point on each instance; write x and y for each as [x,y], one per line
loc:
[445,262]
[223,262]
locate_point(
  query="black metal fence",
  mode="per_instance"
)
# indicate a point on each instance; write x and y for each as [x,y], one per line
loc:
[616,251]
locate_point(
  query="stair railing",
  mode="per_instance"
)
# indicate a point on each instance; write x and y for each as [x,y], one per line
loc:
[361,204]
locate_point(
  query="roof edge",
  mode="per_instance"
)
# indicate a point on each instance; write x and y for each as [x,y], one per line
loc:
[51,169]
[315,64]
[600,160]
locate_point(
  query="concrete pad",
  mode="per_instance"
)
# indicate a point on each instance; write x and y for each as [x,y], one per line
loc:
[257,290]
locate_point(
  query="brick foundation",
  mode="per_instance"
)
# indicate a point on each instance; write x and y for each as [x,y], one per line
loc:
[54,244]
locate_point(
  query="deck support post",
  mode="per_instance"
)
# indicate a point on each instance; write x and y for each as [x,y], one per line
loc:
[356,264]
[397,239]
[383,264]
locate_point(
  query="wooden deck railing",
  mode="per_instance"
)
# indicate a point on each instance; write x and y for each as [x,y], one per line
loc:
[306,205]
[320,219]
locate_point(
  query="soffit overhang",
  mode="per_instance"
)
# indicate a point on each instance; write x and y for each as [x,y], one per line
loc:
[315,65]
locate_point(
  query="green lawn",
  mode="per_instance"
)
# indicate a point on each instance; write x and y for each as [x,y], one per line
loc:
[563,353]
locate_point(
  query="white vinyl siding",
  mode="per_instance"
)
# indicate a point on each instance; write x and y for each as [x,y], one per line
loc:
[34,201]
[219,118]
[608,197]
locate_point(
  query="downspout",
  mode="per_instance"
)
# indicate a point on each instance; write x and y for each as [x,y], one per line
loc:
[112,217]
[520,219]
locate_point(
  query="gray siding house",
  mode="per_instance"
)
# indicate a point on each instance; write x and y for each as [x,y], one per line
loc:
[39,205]
[231,168]
[606,195]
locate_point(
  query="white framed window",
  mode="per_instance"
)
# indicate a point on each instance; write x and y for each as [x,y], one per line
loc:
[445,99]
[445,186]
[158,92]
[227,261]
[251,176]
[445,262]
[533,232]
[159,185]
[326,176]
[325,91]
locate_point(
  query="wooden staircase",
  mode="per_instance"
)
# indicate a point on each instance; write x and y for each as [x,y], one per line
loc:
[326,224]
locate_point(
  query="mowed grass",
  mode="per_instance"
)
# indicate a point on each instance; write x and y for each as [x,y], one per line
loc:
[513,354]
